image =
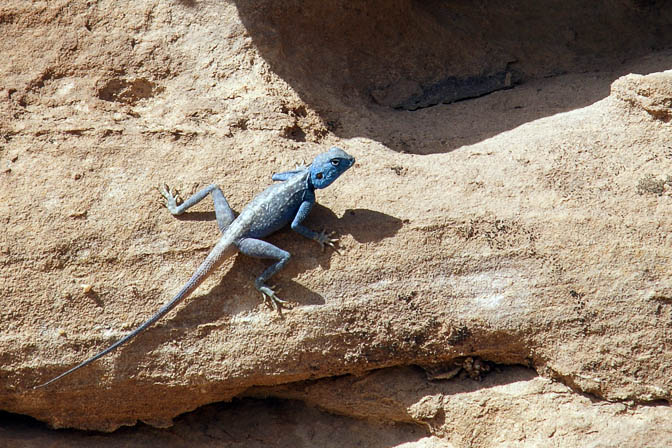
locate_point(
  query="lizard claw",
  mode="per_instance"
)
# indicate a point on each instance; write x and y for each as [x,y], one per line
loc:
[172,198]
[269,297]
[325,239]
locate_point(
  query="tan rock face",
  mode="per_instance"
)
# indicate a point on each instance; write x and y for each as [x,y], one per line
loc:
[653,93]
[390,407]
[529,226]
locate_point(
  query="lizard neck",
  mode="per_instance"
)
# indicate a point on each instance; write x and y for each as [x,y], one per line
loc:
[309,182]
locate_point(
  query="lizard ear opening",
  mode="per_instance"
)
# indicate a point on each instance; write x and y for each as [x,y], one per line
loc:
[319,175]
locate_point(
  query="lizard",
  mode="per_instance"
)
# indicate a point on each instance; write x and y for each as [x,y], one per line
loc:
[287,202]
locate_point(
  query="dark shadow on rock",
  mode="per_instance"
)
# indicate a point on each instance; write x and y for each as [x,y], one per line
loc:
[364,65]
[367,226]
[302,426]
[396,389]
[197,216]
[246,422]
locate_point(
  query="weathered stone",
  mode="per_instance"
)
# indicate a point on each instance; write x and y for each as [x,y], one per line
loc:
[653,93]
[529,227]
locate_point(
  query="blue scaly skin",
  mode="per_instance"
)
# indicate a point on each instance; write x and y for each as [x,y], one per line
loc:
[288,202]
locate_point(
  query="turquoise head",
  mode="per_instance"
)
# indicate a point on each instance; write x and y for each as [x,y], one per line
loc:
[328,166]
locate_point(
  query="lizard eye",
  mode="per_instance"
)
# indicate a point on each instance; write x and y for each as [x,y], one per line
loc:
[335,162]
[319,175]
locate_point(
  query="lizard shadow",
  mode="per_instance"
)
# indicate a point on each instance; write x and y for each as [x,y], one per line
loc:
[197,216]
[368,226]
[95,298]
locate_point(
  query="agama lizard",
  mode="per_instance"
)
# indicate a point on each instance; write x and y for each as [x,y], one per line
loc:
[278,205]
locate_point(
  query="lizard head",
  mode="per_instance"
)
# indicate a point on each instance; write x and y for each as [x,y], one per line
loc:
[328,166]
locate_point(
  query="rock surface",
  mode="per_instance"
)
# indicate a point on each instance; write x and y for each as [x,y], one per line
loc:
[527,227]
[391,407]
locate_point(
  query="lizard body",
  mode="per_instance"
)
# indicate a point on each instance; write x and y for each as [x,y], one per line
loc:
[288,202]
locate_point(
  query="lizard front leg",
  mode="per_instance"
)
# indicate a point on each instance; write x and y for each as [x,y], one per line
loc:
[323,237]
[262,249]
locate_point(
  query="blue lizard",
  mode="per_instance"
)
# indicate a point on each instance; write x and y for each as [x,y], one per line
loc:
[278,205]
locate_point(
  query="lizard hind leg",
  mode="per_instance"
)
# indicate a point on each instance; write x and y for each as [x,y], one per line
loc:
[223,212]
[261,249]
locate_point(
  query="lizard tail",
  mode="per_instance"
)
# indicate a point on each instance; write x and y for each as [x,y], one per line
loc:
[215,258]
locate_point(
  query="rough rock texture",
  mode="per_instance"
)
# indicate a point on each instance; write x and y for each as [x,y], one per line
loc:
[391,407]
[530,226]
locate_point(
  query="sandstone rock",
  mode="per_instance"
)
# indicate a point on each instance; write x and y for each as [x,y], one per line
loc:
[393,407]
[653,93]
[527,227]
[513,407]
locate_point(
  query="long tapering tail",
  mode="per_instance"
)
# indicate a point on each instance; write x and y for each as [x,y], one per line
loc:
[217,255]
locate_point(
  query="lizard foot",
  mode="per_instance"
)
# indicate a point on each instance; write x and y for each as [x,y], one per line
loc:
[325,239]
[172,198]
[269,296]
